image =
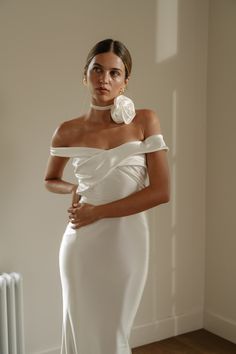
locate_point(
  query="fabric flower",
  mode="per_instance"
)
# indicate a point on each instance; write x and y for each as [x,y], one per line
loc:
[123,110]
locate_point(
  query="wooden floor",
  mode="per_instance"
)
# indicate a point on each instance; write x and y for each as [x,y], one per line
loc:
[196,342]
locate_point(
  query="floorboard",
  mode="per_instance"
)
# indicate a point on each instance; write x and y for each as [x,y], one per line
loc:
[197,342]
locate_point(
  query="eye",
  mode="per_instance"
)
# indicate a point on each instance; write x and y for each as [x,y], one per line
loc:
[115,73]
[97,70]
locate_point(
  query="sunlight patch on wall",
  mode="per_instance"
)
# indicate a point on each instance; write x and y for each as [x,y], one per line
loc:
[167,29]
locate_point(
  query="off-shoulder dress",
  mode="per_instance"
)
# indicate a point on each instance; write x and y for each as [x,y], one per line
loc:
[104,265]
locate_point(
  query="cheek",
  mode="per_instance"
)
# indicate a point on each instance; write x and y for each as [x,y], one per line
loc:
[90,76]
[91,79]
[119,81]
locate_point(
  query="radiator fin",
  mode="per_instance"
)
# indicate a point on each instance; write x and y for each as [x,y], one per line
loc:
[11,314]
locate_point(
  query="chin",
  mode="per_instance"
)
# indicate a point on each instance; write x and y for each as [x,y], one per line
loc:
[103,99]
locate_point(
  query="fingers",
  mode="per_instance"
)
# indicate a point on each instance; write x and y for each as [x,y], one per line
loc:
[76,226]
[73,218]
[81,215]
[74,222]
[73,208]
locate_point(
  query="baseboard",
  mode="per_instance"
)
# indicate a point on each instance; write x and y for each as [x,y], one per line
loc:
[220,325]
[155,331]
[165,328]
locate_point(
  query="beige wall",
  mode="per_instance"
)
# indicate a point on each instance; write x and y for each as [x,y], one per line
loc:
[44,44]
[220,305]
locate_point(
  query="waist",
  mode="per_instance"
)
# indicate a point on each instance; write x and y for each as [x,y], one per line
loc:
[99,195]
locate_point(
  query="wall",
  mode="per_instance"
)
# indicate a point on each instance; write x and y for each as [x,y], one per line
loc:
[220,316]
[44,45]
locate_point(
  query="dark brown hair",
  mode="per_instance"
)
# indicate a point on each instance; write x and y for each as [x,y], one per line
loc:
[116,47]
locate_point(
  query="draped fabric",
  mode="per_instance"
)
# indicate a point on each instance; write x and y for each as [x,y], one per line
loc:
[104,265]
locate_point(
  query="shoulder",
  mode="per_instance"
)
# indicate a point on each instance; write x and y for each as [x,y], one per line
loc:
[149,121]
[65,130]
[147,114]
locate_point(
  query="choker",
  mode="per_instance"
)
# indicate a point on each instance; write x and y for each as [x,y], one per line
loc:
[122,110]
[101,108]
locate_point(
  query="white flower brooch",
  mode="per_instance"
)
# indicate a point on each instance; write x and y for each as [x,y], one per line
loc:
[122,110]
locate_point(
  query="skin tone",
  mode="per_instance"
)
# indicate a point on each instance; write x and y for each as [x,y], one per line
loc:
[105,79]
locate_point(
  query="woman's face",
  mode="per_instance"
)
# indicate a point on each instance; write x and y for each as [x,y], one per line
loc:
[105,78]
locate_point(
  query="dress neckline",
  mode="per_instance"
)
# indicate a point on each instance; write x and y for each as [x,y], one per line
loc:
[103,149]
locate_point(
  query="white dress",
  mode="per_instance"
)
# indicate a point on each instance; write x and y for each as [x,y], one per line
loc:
[104,265]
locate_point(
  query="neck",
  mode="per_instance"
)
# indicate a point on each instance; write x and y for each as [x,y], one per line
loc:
[100,108]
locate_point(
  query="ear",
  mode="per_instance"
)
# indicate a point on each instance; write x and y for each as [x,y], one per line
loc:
[85,80]
[127,80]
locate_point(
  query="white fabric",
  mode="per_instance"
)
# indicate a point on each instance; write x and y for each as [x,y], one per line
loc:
[123,110]
[101,108]
[104,265]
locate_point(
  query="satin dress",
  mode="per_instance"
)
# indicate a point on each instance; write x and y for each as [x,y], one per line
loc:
[104,265]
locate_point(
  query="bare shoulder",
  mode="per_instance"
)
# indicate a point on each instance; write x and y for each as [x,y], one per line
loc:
[149,121]
[65,130]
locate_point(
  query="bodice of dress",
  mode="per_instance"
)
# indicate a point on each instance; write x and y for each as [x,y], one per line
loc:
[106,175]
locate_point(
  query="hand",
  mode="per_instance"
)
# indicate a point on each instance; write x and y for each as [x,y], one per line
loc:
[82,214]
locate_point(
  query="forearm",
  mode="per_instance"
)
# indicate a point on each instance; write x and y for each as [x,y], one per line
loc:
[135,203]
[59,186]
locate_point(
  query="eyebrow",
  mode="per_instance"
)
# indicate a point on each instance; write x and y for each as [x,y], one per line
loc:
[101,66]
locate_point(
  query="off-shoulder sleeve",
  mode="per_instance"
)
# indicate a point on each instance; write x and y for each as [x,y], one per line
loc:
[62,151]
[155,143]
[150,144]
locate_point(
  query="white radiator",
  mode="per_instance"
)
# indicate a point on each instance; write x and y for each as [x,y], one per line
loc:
[11,314]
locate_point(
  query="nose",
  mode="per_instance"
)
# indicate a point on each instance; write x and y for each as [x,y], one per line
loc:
[104,77]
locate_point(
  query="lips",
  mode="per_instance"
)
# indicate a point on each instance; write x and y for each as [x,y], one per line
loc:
[102,89]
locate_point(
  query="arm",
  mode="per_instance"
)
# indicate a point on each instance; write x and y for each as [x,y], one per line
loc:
[53,177]
[54,171]
[156,193]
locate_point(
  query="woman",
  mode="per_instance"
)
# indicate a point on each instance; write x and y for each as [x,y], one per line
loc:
[105,249]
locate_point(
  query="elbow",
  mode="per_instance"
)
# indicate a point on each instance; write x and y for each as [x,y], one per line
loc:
[162,197]
[165,198]
[47,184]
[165,194]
